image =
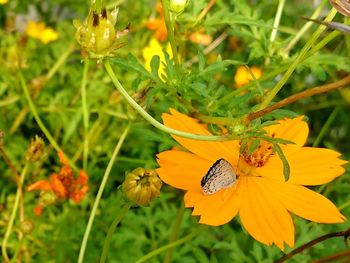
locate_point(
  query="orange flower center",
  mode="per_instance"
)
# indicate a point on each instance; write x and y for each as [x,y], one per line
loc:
[260,155]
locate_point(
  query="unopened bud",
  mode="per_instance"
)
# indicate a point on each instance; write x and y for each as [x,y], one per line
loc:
[343,6]
[47,198]
[27,227]
[35,150]
[177,6]
[97,35]
[141,186]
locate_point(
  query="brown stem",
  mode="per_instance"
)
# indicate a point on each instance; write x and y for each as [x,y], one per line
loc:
[301,95]
[205,10]
[345,234]
[345,255]
[8,162]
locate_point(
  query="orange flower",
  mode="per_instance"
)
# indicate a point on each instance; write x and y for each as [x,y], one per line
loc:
[257,191]
[62,185]
[158,25]
[200,38]
[243,76]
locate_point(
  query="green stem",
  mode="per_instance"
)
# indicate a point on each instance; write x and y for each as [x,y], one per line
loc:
[111,230]
[270,96]
[13,214]
[38,120]
[85,113]
[169,23]
[100,192]
[174,234]
[302,31]
[277,20]
[170,245]
[326,127]
[153,121]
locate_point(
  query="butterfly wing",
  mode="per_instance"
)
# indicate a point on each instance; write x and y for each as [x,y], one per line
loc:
[219,176]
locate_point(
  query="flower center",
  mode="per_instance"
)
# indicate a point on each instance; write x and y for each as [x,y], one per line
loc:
[260,155]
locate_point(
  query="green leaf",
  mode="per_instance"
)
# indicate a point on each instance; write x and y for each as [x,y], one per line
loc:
[286,167]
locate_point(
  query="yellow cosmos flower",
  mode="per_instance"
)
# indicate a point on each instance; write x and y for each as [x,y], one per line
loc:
[2,2]
[154,48]
[243,77]
[260,195]
[40,31]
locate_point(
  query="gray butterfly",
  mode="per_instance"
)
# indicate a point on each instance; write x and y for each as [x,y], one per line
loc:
[219,176]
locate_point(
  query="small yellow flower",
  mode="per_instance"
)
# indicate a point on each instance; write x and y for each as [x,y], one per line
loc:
[2,2]
[243,76]
[155,49]
[40,31]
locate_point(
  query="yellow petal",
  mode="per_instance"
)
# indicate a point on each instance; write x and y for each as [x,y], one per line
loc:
[308,166]
[304,202]
[182,170]
[295,130]
[263,216]
[216,209]
[211,151]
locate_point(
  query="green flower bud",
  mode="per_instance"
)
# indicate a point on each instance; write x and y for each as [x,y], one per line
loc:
[97,35]
[27,227]
[47,198]
[141,186]
[177,6]
[35,150]
[343,6]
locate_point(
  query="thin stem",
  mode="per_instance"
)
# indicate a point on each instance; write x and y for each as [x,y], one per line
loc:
[270,96]
[39,121]
[111,231]
[170,245]
[85,113]
[345,234]
[169,23]
[175,232]
[301,95]
[204,12]
[61,60]
[325,127]
[306,27]
[13,214]
[100,192]
[153,121]
[277,20]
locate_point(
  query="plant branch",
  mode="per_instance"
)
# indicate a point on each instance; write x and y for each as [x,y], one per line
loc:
[301,95]
[111,231]
[169,23]
[100,192]
[345,234]
[153,121]
[270,96]
[85,113]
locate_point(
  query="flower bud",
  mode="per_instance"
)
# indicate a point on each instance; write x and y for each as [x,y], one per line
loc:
[141,186]
[177,6]
[47,198]
[343,6]
[35,150]
[27,227]
[97,35]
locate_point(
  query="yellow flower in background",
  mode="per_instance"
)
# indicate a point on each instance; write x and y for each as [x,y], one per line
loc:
[154,48]
[243,76]
[221,183]
[2,2]
[40,31]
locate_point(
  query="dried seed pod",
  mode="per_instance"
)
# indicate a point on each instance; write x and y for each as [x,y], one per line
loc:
[343,6]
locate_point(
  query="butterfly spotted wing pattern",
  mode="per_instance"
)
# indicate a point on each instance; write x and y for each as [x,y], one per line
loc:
[219,176]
